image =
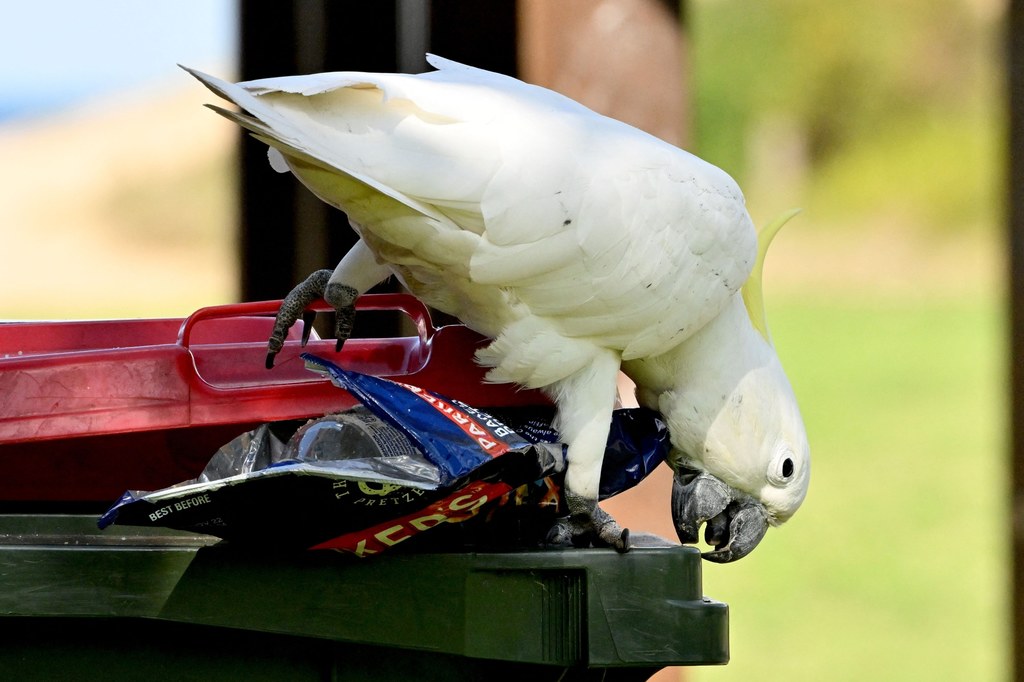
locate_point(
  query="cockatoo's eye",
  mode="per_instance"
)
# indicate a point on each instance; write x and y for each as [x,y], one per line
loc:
[782,468]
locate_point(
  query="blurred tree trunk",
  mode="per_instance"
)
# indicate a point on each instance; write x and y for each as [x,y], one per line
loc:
[623,58]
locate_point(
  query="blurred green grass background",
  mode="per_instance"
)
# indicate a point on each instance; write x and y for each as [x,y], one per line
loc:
[896,566]
[885,297]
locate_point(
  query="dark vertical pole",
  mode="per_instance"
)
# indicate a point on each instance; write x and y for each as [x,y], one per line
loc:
[479,33]
[286,232]
[265,203]
[1015,218]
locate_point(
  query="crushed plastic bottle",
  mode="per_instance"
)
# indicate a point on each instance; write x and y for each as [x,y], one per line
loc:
[360,444]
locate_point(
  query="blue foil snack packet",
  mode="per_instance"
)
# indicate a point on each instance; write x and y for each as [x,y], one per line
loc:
[404,462]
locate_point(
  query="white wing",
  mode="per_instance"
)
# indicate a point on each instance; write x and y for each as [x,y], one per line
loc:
[496,200]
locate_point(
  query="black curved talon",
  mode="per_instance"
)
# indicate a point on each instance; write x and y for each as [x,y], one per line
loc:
[622,546]
[308,318]
[343,299]
[292,308]
[318,285]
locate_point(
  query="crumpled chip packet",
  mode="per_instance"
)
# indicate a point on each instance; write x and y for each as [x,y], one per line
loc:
[405,465]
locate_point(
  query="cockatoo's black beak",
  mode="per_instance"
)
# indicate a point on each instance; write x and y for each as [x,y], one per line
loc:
[735,521]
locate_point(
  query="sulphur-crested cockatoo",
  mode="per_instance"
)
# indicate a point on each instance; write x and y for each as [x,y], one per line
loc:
[580,245]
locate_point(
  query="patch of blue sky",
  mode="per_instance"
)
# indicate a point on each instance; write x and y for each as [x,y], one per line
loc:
[56,53]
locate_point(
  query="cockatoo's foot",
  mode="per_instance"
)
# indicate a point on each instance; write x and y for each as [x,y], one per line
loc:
[587,524]
[318,285]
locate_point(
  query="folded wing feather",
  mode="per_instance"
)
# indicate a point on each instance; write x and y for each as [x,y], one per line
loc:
[464,179]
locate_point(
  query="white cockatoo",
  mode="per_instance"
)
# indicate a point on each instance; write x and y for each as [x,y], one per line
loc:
[580,245]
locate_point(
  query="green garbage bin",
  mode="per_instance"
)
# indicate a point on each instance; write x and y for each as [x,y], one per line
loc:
[149,604]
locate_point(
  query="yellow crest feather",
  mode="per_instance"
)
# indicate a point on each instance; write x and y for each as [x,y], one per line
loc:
[753,295]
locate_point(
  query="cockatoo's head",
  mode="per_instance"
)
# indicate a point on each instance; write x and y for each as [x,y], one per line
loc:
[741,455]
[741,458]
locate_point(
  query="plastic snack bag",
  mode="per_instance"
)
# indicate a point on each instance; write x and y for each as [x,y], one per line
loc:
[404,462]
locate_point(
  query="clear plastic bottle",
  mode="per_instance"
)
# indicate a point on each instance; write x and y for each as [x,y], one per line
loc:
[361,444]
[356,433]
